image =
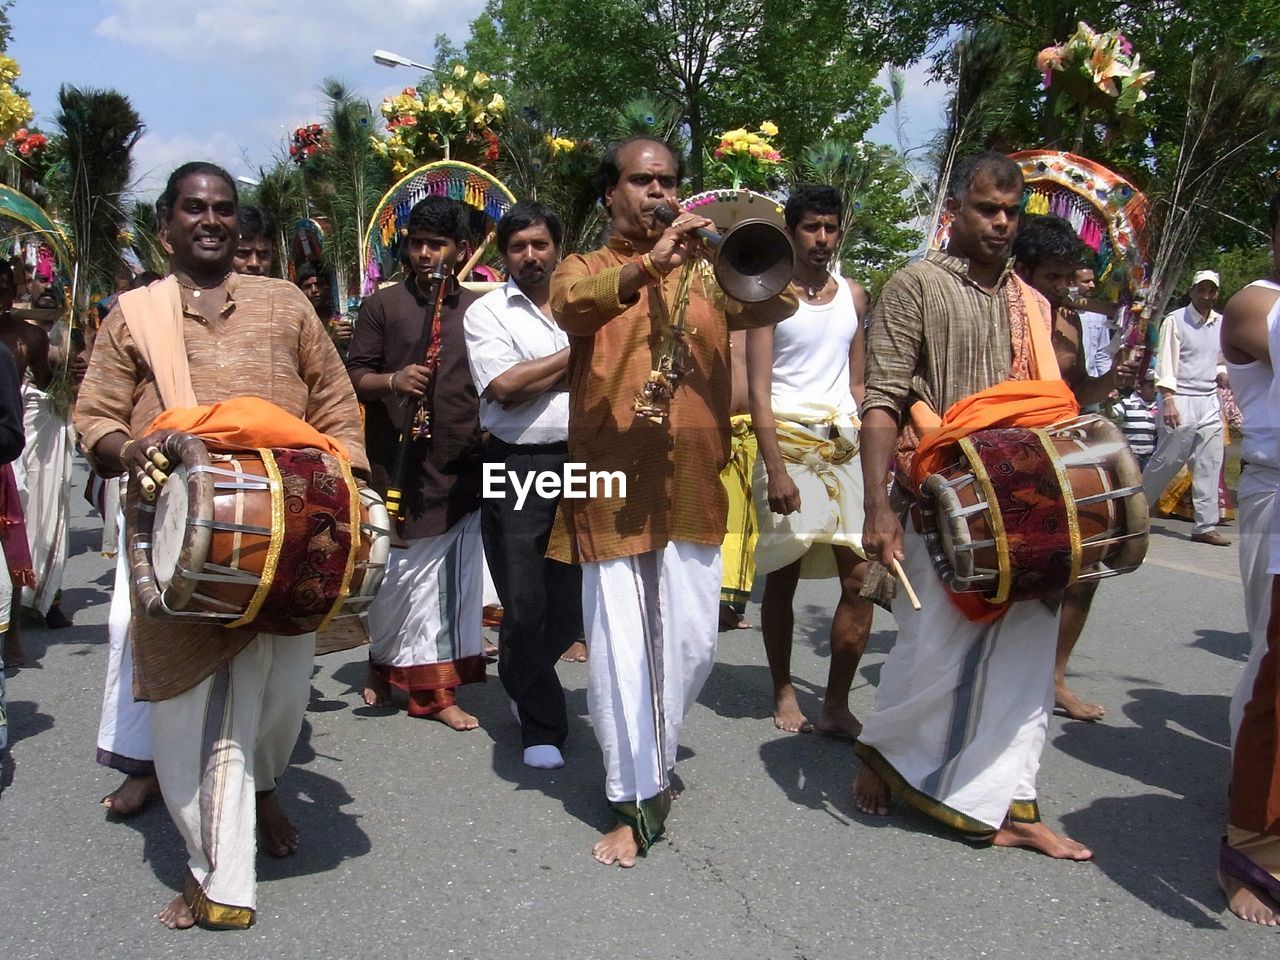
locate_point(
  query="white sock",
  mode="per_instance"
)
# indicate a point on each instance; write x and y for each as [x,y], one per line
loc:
[543,756]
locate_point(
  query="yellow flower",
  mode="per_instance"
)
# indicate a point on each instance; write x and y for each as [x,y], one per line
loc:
[480,80]
[756,149]
[769,129]
[459,70]
[447,92]
[379,146]
[479,117]
[497,105]
[733,136]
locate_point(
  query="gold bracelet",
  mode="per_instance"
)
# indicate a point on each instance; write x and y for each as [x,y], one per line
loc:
[391,385]
[651,268]
[124,447]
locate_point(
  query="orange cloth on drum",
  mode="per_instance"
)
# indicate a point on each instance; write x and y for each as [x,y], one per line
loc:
[1014,403]
[248,423]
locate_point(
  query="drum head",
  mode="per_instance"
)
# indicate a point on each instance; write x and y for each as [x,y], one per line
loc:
[170,528]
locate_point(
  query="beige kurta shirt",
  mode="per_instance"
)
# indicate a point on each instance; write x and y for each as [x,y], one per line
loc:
[266,343]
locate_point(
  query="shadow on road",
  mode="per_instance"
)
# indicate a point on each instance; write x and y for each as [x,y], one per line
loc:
[1233,646]
[1161,847]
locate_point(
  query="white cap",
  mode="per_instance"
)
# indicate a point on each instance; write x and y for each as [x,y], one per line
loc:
[1202,275]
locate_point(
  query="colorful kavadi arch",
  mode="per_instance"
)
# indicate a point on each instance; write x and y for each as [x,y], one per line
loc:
[476,188]
[1108,212]
[727,207]
[22,219]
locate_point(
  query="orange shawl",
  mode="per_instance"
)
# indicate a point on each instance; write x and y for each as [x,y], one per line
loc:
[247,423]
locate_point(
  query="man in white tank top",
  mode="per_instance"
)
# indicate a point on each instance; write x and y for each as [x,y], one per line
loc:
[1047,254]
[805,379]
[1190,425]
[1249,859]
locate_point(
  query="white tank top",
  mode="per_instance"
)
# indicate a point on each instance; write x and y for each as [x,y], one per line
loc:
[1251,384]
[811,354]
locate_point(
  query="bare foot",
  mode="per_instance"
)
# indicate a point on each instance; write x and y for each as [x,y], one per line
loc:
[871,793]
[1074,707]
[618,846]
[731,619]
[176,915]
[457,718]
[276,833]
[490,650]
[577,652]
[132,795]
[786,712]
[1248,902]
[839,722]
[1037,836]
[377,688]
[14,654]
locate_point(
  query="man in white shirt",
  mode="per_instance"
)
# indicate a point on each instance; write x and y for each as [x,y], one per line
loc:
[518,357]
[1190,425]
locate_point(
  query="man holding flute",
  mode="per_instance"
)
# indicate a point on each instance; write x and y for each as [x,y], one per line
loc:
[408,363]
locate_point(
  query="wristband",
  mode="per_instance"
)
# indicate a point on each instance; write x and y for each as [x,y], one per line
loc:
[651,268]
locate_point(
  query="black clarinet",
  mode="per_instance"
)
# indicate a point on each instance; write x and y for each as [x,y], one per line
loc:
[418,425]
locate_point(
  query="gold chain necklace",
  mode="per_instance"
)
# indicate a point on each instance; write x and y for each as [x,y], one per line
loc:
[196,291]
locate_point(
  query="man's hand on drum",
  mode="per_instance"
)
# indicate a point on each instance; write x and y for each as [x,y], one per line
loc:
[143,461]
[674,247]
[784,496]
[882,534]
[410,380]
[1169,409]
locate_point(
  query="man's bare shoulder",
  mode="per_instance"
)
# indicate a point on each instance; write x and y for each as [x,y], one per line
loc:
[1252,304]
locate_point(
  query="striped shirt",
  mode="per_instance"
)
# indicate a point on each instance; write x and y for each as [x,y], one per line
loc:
[936,335]
[1138,423]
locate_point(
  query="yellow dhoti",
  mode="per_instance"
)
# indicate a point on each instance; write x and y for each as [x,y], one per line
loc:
[738,554]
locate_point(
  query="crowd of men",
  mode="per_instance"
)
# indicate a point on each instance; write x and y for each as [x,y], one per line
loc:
[779,423]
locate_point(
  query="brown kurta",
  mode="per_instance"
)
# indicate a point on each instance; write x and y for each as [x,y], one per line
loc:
[443,484]
[672,468]
[267,343]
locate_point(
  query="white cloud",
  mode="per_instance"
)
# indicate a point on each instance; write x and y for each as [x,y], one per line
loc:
[155,157]
[305,35]
[923,108]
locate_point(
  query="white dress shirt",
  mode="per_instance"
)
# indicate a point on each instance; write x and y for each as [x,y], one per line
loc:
[504,328]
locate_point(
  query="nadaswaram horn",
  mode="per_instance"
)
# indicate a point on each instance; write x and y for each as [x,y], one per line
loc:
[753,260]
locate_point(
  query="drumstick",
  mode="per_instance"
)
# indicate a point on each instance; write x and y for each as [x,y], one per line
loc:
[906,584]
[475,257]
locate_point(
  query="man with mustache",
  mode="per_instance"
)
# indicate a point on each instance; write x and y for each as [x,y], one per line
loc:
[226,705]
[963,703]
[806,385]
[518,358]
[648,398]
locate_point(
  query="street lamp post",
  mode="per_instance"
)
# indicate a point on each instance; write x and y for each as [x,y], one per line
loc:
[386,58]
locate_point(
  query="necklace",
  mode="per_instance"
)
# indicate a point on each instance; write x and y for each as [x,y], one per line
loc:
[195,290]
[813,291]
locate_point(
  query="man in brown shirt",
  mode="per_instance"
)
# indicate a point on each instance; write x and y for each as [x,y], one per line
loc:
[962,708]
[240,692]
[650,554]
[425,624]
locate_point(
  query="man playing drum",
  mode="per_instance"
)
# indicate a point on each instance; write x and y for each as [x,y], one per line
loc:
[806,384]
[963,705]
[226,706]
[650,558]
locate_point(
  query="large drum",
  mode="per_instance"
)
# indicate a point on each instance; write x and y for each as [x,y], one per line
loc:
[276,541]
[1022,513]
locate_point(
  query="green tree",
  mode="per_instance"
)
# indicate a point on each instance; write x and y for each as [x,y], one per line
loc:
[804,64]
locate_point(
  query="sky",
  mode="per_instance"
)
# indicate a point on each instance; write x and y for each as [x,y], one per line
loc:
[228,80]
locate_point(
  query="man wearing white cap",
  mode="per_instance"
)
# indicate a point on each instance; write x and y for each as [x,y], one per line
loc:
[1190,420]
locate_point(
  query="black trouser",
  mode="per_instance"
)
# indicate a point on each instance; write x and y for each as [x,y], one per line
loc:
[541,598]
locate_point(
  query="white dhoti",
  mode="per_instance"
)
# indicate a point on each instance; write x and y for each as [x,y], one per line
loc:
[1196,441]
[962,708]
[424,624]
[219,744]
[1256,505]
[651,623]
[124,728]
[43,473]
[825,468]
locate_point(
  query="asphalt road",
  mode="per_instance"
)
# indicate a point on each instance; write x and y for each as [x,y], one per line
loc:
[419,841]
